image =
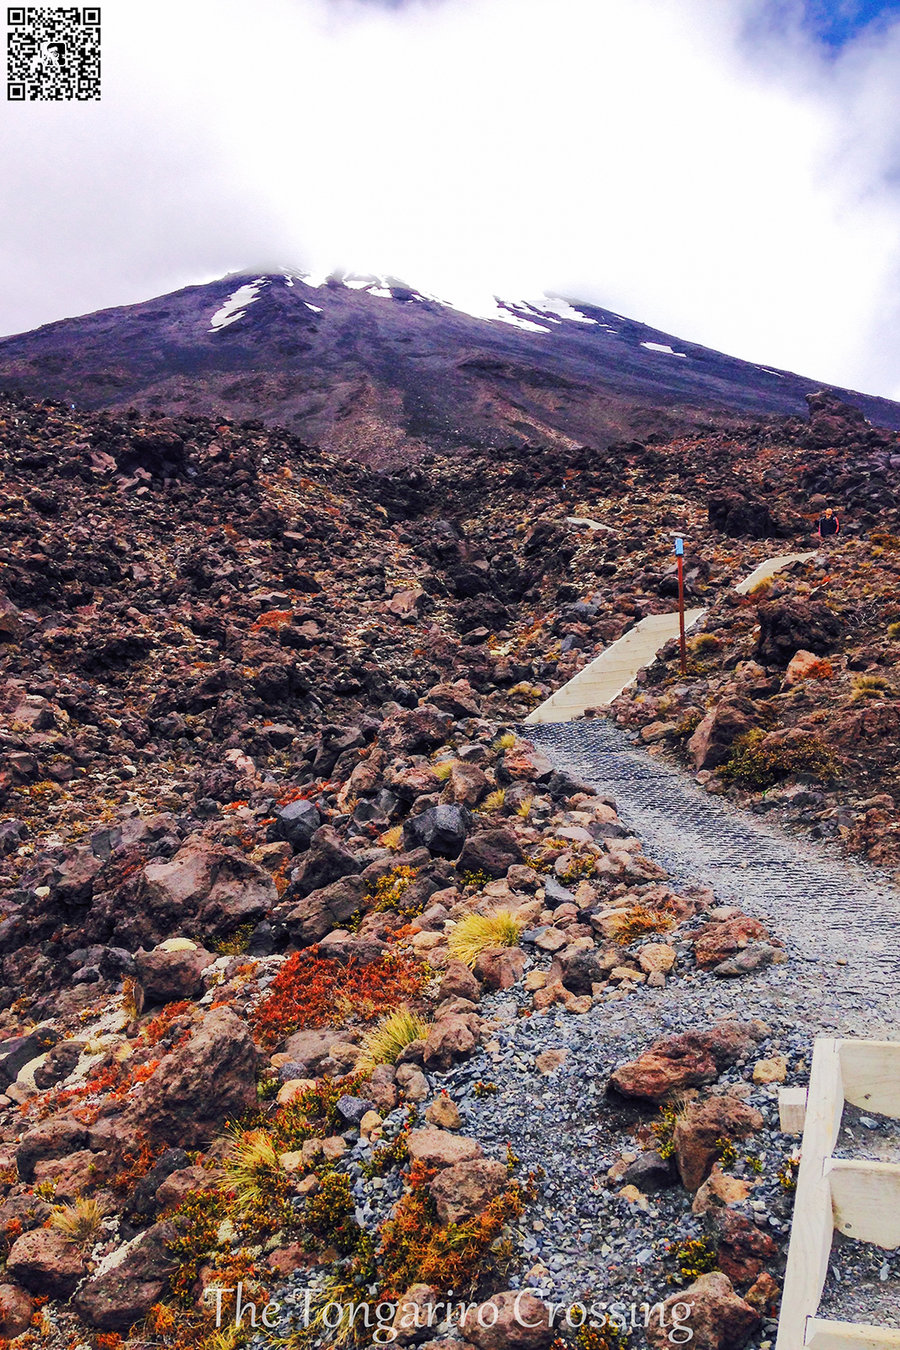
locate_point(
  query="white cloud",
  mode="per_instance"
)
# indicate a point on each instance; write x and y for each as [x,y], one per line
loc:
[676,161]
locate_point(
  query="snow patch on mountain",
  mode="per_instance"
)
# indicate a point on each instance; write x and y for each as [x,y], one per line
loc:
[314,279]
[663,347]
[533,316]
[554,304]
[235,307]
[505,314]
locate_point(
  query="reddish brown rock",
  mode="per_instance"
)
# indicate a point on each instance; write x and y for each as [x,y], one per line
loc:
[170,976]
[178,1184]
[451,1039]
[444,1113]
[381,1089]
[802,666]
[295,1256]
[439,1148]
[500,967]
[716,942]
[688,1060]
[744,1249]
[459,982]
[699,1130]
[457,698]
[76,1174]
[491,852]
[711,743]
[730,1041]
[54,1138]
[669,1066]
[412,1082]
[718,1190]
[462,1191]
[764,1293]
[513,1320]
[10,623]
[407,604]
[314,916]
[416,731]
[307,1049]
[25,1211]
[204,889]
[523,762]
[410,781]
[16,1308]
[467,783]
[716,1316]
[417,1310]
[878,724]
[209,1079]
[45,1262]
[121,1295]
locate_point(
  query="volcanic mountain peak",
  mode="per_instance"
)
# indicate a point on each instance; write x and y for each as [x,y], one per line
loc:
[533,315]
[371,367]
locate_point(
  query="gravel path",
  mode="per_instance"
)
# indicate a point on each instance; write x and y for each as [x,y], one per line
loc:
[826,909]
[841,926]
[840,923]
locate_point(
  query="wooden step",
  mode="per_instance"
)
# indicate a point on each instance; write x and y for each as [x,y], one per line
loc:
[857,1197]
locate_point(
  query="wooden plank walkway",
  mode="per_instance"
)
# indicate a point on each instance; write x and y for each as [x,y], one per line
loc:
[604,678]
[768,569]
[608,674]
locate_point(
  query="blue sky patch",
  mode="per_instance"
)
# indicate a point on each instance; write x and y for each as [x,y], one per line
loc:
[837,22]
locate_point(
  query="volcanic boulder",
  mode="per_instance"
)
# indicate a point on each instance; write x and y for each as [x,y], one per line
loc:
[699,1131]
[462,1191]
[208,1079]
[442,829]
[121,1295]
[717,1317]
[711,742]
[205,889]
[490,851]
[789,626]
[45,1262]
[688,1060]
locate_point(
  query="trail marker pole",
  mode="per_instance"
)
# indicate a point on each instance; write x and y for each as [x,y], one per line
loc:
[679,554]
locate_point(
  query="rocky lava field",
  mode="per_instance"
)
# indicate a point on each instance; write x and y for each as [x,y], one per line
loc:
[278,861]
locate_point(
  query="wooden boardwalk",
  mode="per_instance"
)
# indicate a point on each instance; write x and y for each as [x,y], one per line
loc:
[768,569]
[608,674]
[604,678]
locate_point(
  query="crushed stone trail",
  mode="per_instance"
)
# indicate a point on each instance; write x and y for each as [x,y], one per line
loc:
[840,923]
[823,907]
[581,1235]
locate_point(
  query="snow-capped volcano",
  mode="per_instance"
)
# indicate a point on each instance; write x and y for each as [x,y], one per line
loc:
[374,368]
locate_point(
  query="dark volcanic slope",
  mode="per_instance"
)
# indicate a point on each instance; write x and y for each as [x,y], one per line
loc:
[383,373]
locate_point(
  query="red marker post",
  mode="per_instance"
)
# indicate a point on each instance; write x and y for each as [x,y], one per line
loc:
[679,554]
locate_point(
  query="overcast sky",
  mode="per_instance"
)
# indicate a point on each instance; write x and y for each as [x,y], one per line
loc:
[726,170]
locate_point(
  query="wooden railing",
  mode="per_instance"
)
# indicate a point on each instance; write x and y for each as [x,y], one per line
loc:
[856,1197]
